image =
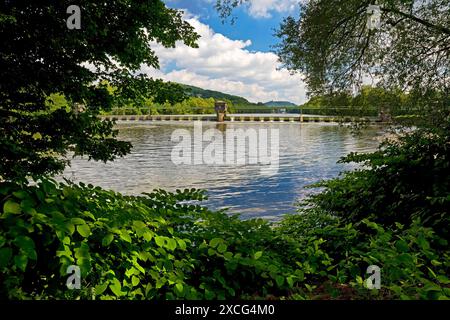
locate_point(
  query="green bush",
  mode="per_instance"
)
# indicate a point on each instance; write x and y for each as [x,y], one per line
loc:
[154,246]
[166,246]
[414,261]
[405,179]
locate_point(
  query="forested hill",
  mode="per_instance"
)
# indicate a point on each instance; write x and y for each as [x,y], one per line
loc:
[280,104]
[203,93]
[236,100]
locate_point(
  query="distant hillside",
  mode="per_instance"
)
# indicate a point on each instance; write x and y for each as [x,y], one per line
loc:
[236,100]
[203,93]
[280,104]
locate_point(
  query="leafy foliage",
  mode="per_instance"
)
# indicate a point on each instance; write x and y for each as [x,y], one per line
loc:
[331,44]
[154,246]
[206,94]
[414,261]
[166,246]
[40,56]
[405,179]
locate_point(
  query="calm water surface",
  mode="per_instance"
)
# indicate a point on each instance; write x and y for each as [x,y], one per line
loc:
[308,153]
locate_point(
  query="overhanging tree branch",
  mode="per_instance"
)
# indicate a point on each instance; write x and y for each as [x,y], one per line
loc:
[418,20]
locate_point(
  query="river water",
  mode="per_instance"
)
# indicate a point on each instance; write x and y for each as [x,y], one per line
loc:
[307,153]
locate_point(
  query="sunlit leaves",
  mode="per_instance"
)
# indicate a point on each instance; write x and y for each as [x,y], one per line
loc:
[116,287]
[258,255]
[106,241]
[84,230]
[52,106]
[155,247]
[335,51]
[11,207]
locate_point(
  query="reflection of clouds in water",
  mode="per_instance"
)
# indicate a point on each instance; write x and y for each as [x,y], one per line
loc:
[308,154]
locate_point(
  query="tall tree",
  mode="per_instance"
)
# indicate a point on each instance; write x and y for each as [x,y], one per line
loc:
[40,55]
[330,43]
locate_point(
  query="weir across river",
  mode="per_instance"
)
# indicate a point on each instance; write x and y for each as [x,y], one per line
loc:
[243,118]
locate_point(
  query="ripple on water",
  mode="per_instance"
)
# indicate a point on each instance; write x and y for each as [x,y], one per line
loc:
[308,153]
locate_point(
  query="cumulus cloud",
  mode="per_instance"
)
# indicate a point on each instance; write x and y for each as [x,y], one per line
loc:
[227,65]
[262,8]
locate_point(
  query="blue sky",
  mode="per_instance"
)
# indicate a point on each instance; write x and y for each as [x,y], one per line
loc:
[259,29]
[234,58]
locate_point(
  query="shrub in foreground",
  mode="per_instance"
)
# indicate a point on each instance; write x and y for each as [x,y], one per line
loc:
[166,246]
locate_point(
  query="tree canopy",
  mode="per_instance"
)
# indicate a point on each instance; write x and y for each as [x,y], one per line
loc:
[41,56]
[329,42]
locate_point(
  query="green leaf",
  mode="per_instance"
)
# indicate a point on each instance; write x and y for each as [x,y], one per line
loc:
[402,246]
[222,248]
[84,230]
[70,228]
[290,281]
[215,242]
[21,262]
[436,263]
[116,287]
[423,243]
[26,244]
[125,236]
[228,255]
[160,241]
[148,236]
[82,251]
[106,241]
[182,244]
[11,207]
[77,221]
[21,194]
[179,287]
[135,281]
[138,266]
[171,244]
[432,287]
[37,136]
[405,258]
[279,280]
[139,225]
[443,279]
[258,255]
[5,256]
[99,289]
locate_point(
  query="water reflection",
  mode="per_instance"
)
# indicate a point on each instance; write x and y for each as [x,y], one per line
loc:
[308,153]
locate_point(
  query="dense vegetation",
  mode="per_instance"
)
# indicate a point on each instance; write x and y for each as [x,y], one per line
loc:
[194,105]
[40,56]
[191,105]
[160,246]
[392,212]
[336,51]
[216,95]
[370,101]
[200,101]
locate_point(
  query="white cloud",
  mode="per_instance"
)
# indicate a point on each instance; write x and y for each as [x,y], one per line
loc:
[226,65]
[262,8]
